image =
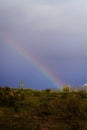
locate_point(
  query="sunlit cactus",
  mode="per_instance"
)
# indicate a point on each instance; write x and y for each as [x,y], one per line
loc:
[75,89]
[21,84]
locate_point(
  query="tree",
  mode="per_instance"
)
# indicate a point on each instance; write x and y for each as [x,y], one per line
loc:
[66,88]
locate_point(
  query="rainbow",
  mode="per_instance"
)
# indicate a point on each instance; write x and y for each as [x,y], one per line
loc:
[37,64]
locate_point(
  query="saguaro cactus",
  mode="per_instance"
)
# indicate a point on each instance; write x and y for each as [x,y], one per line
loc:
[21,84]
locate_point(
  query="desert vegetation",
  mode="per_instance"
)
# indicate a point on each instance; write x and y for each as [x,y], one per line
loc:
[28,109]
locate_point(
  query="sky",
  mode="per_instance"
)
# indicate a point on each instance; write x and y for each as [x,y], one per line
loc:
[43,43]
